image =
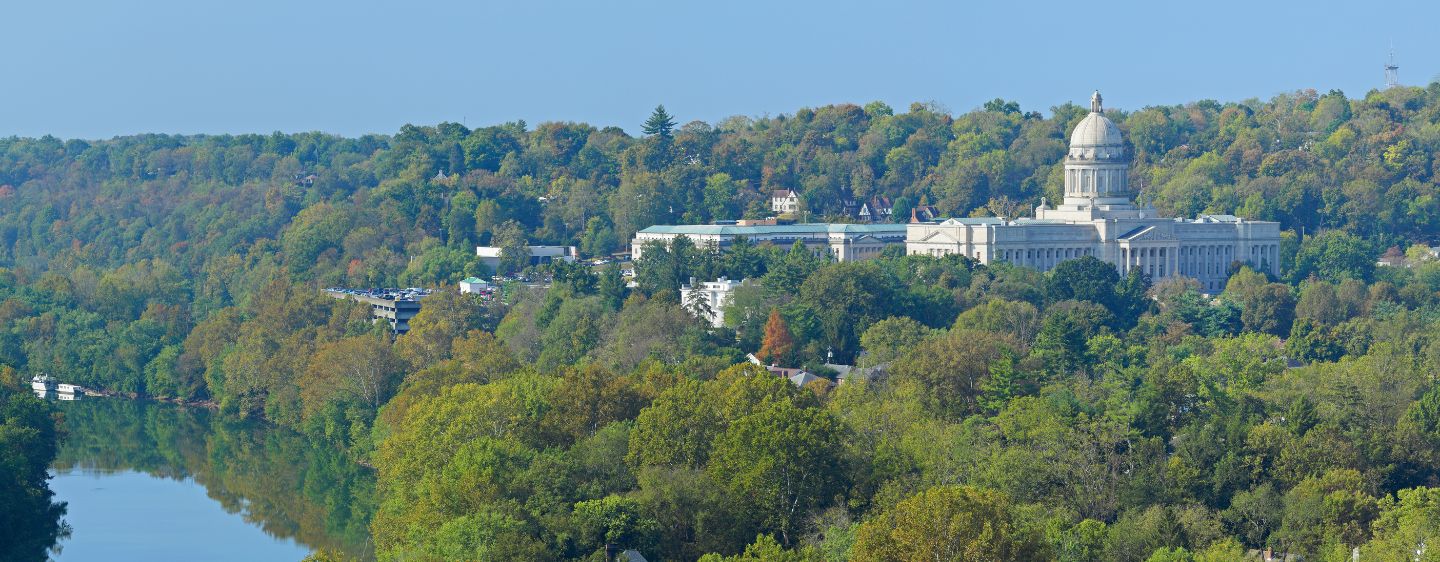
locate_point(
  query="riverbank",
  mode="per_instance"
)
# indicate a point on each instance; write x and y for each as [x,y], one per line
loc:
[210,404]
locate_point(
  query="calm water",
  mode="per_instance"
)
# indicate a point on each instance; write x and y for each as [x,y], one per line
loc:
[123,516]
[154,481]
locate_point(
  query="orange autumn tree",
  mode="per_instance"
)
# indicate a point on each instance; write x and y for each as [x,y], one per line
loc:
[778,342]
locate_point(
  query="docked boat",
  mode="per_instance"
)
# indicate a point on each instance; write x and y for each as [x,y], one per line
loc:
[67,388]
[43,383]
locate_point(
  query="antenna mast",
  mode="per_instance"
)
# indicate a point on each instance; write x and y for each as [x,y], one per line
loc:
[1392,71]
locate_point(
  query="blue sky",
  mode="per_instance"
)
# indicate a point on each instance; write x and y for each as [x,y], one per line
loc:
[96,69]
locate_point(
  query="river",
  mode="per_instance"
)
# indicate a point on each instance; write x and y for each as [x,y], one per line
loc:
[155,481]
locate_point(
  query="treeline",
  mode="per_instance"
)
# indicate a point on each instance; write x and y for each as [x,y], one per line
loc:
[117,249]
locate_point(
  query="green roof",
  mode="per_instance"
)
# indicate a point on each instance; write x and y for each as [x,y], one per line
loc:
[473,280]
[808,228]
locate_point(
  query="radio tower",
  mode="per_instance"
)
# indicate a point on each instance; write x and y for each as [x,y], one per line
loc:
[1392,71]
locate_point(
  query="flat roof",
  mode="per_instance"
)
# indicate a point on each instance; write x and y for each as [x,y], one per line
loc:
[806,228]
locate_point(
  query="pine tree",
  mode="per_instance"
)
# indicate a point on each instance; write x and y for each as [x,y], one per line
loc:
[698,303]
[778,342]
[660,123]
[611,286]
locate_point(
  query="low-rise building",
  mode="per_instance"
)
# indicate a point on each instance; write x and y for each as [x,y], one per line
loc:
[394,306]
[877,209]
[785,201]
[490,255]
[924,213]
[714,295]
[841,242]
[474,285]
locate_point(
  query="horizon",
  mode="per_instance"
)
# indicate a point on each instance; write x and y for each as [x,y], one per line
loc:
[370,68]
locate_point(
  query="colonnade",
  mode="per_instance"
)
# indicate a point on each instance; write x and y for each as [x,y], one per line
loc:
[1157,262]
[1043,259]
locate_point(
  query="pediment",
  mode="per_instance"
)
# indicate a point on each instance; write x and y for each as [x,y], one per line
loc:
[940,236]
[1149,234]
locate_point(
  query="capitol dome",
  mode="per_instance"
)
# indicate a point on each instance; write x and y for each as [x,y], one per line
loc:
[1096,171]
[1096,136]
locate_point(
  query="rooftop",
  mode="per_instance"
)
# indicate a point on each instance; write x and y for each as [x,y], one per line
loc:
[806,228]
[389,294]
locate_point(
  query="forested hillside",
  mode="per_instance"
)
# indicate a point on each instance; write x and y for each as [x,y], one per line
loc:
[1073,415]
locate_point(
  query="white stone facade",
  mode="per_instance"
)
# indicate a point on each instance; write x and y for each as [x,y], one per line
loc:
[716,294]
[1098,218]
[841,242]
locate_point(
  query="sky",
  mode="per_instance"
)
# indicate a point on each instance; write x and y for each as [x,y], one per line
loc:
[102,68]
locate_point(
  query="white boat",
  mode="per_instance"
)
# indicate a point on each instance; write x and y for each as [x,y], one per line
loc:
[43,383]
[67,388]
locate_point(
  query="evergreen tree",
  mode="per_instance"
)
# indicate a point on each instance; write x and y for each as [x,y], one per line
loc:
[611,286]
[699,305]
[660,124]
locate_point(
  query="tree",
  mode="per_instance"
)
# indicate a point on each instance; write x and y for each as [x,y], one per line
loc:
[362,369]
[1335,506]
[1062,342]
[698,305]
[675,430]
[29,440]
[767,549]
[514,248]
[659,128]
[1264,306]
[1018,319]
[887,339]
[1085,279]
[778,343]
[659,124]
[1407,521]
[613,523]
[1334,256]
[951,369]
[952,524]
[783,460]
[844,299]
[611,286]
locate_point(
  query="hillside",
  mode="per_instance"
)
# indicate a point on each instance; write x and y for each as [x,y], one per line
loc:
[1087,415]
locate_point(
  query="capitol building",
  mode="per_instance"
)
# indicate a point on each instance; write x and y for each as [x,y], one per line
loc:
[1099,218]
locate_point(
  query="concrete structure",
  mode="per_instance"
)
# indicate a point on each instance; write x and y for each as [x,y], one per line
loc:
[395,306]
[842,242]
[784,201]
[1098,218]
[716,295]
[490,255]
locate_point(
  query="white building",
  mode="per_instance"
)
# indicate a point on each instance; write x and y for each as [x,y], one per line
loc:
[842,242]
[784,201]
[490,255]
[716,295]
[1098,218]
[473,285]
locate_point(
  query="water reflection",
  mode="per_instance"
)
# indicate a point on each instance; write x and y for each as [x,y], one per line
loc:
[276,479]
